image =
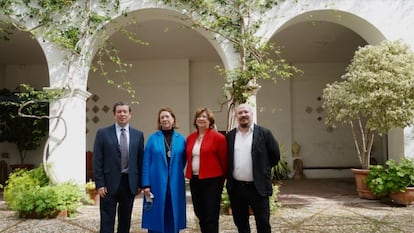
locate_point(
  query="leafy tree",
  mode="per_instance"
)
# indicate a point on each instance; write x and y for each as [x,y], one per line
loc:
[24,118]
[375,95]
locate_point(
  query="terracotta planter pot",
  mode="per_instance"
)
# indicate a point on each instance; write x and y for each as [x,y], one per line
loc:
[403,198]
[363,191]
[94,196]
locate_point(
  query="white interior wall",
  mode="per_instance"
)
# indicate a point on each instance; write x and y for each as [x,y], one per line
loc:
[274,111]
[320,147]
[35,75]
[292,110]
[158,83]
[206,90]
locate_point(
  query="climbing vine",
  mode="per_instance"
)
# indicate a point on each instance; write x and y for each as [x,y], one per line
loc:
[238,22]
[69,24]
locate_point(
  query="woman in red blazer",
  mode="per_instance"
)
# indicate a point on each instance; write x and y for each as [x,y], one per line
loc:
[206,168]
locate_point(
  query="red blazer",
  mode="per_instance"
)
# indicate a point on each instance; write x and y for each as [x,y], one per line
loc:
[213,155]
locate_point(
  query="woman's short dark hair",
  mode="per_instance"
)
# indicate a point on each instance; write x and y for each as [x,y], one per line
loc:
[166,109]
[210,116]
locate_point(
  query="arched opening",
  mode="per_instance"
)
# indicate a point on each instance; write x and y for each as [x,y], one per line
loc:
[322,48]
[22,61]
[176,69]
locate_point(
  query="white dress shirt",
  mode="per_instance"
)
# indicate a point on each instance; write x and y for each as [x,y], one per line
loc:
[243,163]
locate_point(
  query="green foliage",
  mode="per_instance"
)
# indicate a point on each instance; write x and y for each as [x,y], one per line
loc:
[225,200]
[90,185]
[69,24]
[19,181]
[31,194]
[394,177]
[238,22]
[24,117]
[273,204]
[375,94]
[281,170]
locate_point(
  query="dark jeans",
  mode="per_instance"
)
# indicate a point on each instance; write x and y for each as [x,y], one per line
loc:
[243,195]
[206,196]
[122,201]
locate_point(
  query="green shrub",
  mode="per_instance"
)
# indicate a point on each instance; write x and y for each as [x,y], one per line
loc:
[393,177]
[32,196]
[20,181]
[273,200]
[47,201]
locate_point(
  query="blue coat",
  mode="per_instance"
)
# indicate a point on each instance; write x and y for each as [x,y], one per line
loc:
[155,174]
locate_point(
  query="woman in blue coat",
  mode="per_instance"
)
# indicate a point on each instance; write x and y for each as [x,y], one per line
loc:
[164,207]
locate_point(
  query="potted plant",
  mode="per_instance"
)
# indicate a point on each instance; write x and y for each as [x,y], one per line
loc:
[26,132]
[92,192]
[395,179]
[281,170]
[374,96]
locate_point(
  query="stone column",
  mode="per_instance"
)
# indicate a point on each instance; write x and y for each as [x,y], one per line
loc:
[67,141]
[252,93]
[409,142]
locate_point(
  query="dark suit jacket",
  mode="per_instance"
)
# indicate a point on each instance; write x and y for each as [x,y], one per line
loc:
[265,155]
[107,159]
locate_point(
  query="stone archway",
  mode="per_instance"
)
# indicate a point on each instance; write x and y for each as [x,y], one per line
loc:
[22,60]
[322,48]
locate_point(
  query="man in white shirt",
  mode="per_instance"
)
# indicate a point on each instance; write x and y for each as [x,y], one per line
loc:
[252,151]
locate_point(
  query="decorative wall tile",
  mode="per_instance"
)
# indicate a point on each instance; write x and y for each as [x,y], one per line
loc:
[319,109]
[95,119]
[106,109]
[95,98]
[95,109]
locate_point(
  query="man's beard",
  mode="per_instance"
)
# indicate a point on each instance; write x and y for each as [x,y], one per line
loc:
[244,125]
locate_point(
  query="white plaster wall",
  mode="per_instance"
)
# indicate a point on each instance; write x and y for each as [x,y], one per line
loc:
[159,83]
[35,75]
[274,111]
[206,90]
[319,147]
[409,142]
[391,18]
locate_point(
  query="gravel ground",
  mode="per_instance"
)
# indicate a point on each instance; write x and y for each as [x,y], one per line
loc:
[300,212]
[373,216]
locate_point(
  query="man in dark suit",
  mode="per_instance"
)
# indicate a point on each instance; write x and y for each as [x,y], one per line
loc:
[253,151]
[117,162]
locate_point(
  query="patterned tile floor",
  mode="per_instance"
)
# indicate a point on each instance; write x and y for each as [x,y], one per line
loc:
[312,205]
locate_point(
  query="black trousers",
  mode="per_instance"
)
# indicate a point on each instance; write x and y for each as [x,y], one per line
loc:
[243,195]
[122,202]
[206,196]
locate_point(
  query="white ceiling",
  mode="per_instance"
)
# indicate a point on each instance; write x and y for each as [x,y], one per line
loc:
[301,43]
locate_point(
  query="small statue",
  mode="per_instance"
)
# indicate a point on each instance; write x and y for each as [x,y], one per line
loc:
[297,162]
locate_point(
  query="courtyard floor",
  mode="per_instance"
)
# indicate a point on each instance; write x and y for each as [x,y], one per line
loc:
[312,205]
